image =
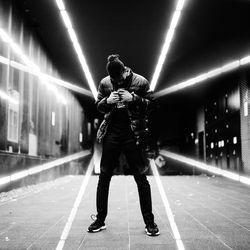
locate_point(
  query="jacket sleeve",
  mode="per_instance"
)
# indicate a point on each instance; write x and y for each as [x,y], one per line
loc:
[101,102]
[144,97]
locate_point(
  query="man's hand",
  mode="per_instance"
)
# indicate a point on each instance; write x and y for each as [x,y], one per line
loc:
[113,98]
[125,96]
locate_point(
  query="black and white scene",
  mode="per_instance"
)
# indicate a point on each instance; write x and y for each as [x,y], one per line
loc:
[124,125]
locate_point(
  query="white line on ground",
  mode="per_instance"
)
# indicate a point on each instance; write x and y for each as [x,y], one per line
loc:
[170,215]
[126,195]
[73,212]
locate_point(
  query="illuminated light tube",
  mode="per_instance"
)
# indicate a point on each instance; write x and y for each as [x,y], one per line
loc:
[214,72]
[60,4]
[77,47]
[168,39]
[4,180]
[52,79]
[169,212]
[33,67]
[68,85]
[206,167]
[4,60]
[4,36]
[43,167]
[175,19]
[204,76]
[7,39]
[245,60]
[230,66]
[72,35]
[180,5]
[66,19]
[8,98]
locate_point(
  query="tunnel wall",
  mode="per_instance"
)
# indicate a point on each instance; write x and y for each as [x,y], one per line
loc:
[48,121]
[222,125]
[245,121]
[214,129]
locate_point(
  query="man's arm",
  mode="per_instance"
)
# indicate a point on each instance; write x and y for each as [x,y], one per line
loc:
[144,96]
[105,103]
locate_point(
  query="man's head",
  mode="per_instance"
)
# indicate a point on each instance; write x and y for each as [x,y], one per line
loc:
[116,68]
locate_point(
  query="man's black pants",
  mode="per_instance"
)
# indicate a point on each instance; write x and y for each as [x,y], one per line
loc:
[112,148]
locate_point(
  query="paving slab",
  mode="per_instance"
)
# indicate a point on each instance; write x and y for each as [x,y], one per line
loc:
[210,213]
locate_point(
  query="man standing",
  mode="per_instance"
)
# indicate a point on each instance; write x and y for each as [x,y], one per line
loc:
[124,97]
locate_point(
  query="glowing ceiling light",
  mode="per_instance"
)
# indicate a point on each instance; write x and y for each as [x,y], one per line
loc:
[8,98]
[204,76]
[46,77]
[60,4]
[214,72]
[175,19]
[32,67]
[168,39]
[72,35]
[16,49]
[4,60]
[245,60]
[230,66]
[180,4]
[5,38]
[77,47]
[66,19]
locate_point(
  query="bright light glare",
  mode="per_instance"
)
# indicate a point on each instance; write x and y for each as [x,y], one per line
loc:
[45,166]
[168,39]
[5,38]
[230,66]
[77,47]
[60,4]
[46,77]
[169,212]
[31,66]
[175,20]
[204,76]
[245,60]
[8,98]
[206,167]
[72,35]
[66,19]
[180,4]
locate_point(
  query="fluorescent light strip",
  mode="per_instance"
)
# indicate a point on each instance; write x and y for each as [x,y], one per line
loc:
[206,167]
[17,50]
[75,207]
[37,169]
[168,39]
[204,76]
[76,45]
[169,212]
[3,95]
[6,97]
[49,78]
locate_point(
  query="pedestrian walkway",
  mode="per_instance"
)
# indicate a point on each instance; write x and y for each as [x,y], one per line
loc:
[210,213]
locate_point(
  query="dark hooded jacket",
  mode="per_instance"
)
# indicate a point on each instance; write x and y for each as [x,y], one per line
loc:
[138,109]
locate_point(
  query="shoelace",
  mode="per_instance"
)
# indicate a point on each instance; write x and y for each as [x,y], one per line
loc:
[93,217]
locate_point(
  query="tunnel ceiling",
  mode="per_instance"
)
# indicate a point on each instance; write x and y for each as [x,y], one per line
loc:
[209,34]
